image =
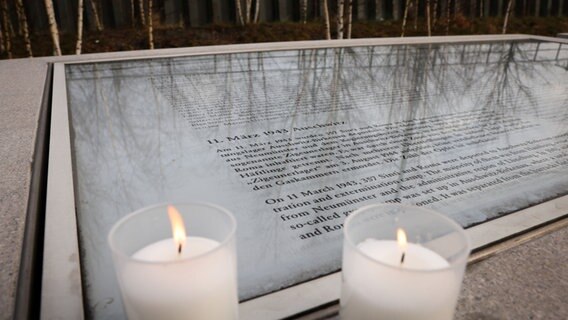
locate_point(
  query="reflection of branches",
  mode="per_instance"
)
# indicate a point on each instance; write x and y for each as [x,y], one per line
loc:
[506,83]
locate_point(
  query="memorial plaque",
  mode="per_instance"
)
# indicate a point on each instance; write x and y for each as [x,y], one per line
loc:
[293,141]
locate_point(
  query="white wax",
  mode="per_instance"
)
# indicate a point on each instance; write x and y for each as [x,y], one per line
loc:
[166,285]
[422,288]
[389,252]
[166,250]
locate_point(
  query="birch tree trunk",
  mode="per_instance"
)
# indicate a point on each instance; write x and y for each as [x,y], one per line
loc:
[349,18]
[304,11]
[79,44]
[5,27]
[96,17]
[239,13]
[414,7]
[457,7]
[379,10]
[53,26]
[248,8]
[142,15]
[326,19]
[435,12]
[404,17]
[340,9]
[549,7]
[257,10]
[24,26]
[396,9]
[132,17]
[500,8]
[448,7]
[150,27]
[507,13]
[1,37]
[428,19]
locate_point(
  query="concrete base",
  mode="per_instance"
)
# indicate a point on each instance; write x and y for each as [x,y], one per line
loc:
[527,282]
[22,87]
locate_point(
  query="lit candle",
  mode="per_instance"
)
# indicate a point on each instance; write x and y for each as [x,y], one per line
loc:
[180,278]
[395,279]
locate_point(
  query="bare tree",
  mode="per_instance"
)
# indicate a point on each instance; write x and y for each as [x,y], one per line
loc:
[414,7]
[349,18]
[500,8]
[239,13]
[507,13]
[340,7]
[79,43]
[150,27]
[396,9]
[53,26]
[304,11]
[248,6]
[379,10]
[1,37]
[256,10]
[142,15]
[448,17]
[24,26]
[406,6]
[132,16]
[6,28]
[326,19]
[98,24]
[457,7]
[549,7]
[435,12]
[428,24]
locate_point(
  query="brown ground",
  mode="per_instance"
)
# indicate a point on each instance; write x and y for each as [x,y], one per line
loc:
[170,37]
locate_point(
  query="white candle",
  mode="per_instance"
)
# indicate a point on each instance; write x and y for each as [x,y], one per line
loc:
[165,250]
[378,286]
[172,285]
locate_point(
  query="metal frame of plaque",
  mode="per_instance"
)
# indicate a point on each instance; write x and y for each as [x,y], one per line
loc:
[62,286]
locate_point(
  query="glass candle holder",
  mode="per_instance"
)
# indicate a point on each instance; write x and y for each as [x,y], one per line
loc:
[164,274]
[401,262]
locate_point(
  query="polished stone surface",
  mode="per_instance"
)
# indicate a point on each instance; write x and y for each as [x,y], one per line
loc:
[473,130]
[21,89]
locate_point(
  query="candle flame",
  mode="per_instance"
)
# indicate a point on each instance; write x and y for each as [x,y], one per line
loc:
[401,239]
[402,243]
[178,228]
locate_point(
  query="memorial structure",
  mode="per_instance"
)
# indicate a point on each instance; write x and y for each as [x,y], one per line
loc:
[293,141]
[292,138]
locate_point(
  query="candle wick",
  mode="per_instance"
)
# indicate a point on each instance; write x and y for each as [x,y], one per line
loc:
[179,248]
[402,258]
